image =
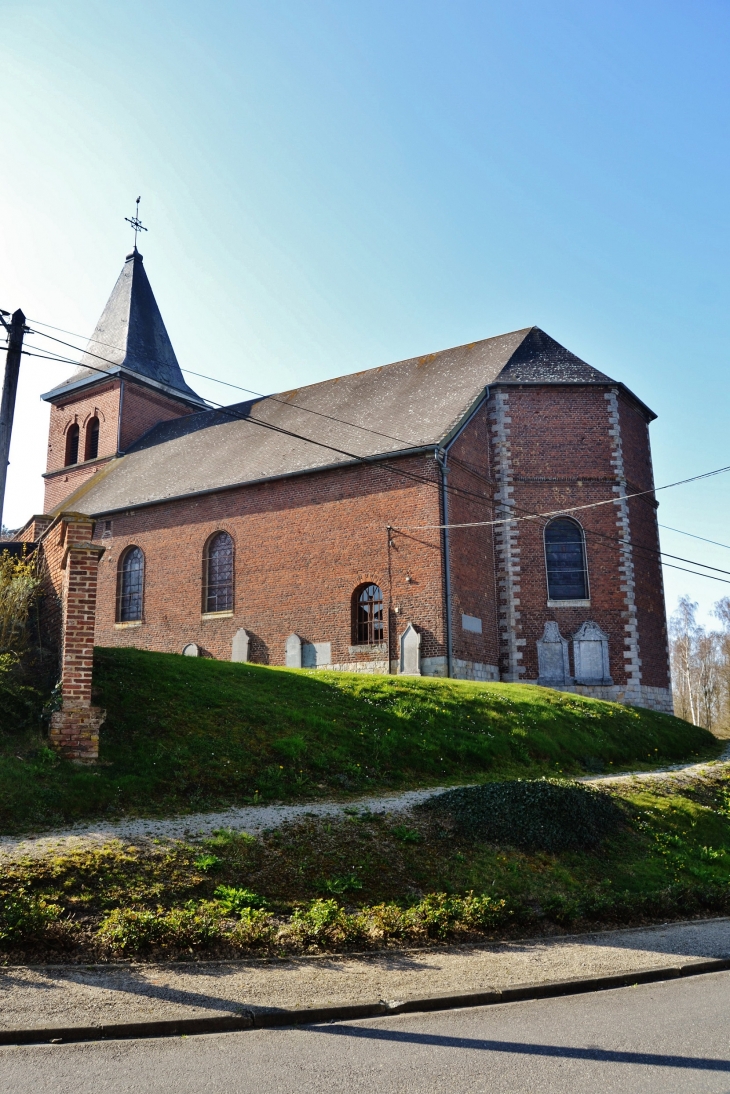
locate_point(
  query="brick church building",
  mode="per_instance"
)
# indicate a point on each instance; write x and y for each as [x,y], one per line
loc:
[391,520]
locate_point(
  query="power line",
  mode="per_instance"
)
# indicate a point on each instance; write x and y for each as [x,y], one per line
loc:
[226,383]
[218,407]
[231,413]
[692,536]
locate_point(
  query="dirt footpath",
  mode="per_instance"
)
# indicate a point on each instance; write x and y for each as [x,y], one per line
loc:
[256,818]
[33,998]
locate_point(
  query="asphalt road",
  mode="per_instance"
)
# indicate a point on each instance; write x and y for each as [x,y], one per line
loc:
[663,1038]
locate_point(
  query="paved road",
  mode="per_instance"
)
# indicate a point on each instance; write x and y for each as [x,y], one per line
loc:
[654,1039]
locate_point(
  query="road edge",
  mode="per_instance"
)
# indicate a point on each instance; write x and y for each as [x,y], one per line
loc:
[277,1019]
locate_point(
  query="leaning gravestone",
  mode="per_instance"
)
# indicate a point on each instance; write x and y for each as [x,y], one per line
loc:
[293,655]
[552,657]
[410,652]
[191,650]
[239,650]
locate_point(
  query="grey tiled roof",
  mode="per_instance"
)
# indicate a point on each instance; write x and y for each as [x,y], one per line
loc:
[394,408]
[130,335]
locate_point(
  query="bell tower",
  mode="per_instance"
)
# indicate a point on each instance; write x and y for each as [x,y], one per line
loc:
[127,381]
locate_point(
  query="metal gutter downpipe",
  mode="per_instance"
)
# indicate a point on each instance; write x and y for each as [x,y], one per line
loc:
[442,457]
[119,423]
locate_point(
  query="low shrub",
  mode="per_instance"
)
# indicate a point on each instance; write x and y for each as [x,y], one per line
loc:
[128,930]
[321,922]
[23,917]
[254,928]
[533,815]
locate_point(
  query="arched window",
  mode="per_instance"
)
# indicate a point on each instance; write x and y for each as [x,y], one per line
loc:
[130,586]
[218,574]
[368,615]
[72,445]
[565,555]
[91,449]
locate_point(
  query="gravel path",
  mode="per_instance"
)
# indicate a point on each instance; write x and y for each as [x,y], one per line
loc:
[257,818]
[80,995]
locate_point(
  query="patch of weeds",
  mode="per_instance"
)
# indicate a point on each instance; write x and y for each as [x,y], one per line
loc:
[405,834]
[340,885]
[232,899]
[208,863]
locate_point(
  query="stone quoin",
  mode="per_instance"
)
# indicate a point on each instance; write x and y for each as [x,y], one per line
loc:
[307,528]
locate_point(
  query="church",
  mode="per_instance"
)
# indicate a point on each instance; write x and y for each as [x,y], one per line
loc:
[484,513]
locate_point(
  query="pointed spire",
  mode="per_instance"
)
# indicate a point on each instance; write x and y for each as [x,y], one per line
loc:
[131,334]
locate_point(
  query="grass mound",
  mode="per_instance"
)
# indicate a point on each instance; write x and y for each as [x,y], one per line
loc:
[185,734]
[541,815]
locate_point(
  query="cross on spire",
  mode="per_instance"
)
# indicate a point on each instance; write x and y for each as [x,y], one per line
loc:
[136,223]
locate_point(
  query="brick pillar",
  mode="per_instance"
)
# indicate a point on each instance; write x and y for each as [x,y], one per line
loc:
[75,727]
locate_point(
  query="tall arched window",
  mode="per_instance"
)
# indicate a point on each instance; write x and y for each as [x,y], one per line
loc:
[130,586]
[565,555]
[368,615]
[218,574]
[91,449]
[72,445]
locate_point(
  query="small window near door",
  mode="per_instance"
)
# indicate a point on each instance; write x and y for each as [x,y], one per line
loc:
[130,586]
[368,625]
[218,574]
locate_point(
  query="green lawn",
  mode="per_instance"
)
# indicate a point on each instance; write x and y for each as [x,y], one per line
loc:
[186,734]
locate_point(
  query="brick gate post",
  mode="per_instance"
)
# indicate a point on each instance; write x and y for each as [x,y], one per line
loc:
[75,727]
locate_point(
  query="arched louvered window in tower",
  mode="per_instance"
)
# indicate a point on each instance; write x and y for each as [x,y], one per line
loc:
[368,625]
[72,445]
[565,557]
[130,586]
[218,574]
[91,449]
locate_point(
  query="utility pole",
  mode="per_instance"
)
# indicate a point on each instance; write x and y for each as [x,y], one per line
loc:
[15,330]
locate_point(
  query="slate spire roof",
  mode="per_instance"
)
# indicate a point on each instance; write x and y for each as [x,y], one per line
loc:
[371,415]
[130,337]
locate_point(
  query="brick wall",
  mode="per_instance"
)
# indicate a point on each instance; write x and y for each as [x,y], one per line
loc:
[69,567]
[559,447]
[471,551]
[302,546]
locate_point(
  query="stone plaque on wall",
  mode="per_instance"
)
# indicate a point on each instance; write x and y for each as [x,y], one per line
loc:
[239,651]
[410,652]
[590,655]
[552,657]
[316,654]
[293,655]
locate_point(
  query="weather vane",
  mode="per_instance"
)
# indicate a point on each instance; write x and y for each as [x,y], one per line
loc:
[136,224]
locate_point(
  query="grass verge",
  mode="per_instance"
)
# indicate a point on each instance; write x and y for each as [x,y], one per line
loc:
[187,735]
[372,880]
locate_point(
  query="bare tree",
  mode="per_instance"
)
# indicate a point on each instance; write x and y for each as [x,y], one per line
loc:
[701,666]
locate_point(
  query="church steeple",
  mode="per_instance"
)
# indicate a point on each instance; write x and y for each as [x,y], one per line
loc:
[131,337]
[127,381]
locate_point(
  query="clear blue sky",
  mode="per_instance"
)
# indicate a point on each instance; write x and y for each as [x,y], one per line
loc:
[332,186]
